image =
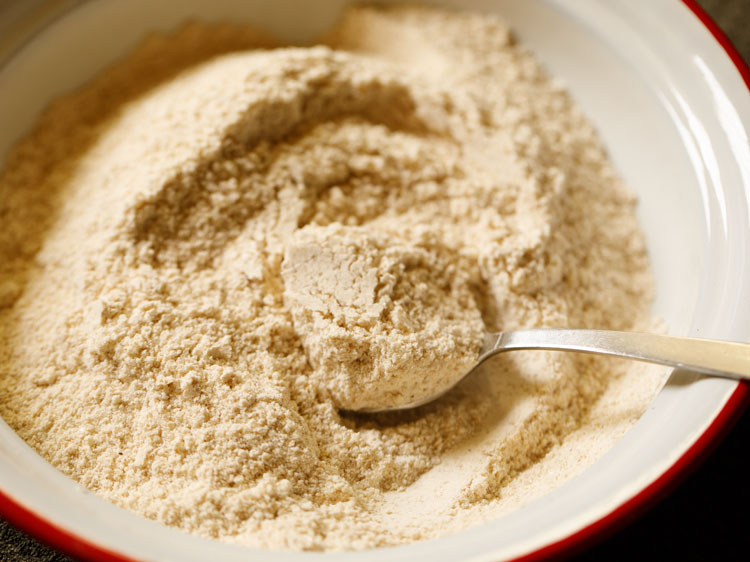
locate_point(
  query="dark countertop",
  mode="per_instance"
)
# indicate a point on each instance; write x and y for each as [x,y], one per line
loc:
[706,518]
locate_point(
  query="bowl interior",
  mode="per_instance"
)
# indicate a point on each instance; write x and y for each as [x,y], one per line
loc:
[668,103]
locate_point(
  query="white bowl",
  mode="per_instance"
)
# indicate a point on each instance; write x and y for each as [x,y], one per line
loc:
[675,114]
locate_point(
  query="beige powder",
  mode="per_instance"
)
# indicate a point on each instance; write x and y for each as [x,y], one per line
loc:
[205,254]
[383,322]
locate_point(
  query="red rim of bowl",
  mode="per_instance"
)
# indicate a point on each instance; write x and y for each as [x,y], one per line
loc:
[76,546]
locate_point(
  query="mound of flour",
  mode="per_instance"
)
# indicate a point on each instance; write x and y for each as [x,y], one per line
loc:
[215,244]
[383,323]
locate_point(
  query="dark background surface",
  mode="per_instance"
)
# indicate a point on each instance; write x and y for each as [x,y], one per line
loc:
[705,518]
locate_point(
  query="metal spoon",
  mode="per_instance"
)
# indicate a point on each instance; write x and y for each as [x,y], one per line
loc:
[710,357]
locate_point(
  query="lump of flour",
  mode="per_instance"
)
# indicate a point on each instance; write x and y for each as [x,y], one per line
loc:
[384,323]
[219,242]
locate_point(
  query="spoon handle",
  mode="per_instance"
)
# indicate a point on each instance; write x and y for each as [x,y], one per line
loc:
[711,357]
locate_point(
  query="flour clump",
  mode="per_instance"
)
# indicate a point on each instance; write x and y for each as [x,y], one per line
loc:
[221,241]
[384,323]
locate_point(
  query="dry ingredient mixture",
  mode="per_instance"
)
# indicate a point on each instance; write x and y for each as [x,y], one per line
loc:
[219,241]
[384,323]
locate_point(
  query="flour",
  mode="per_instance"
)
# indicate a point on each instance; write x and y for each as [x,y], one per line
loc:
[383,323]
[214,245]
